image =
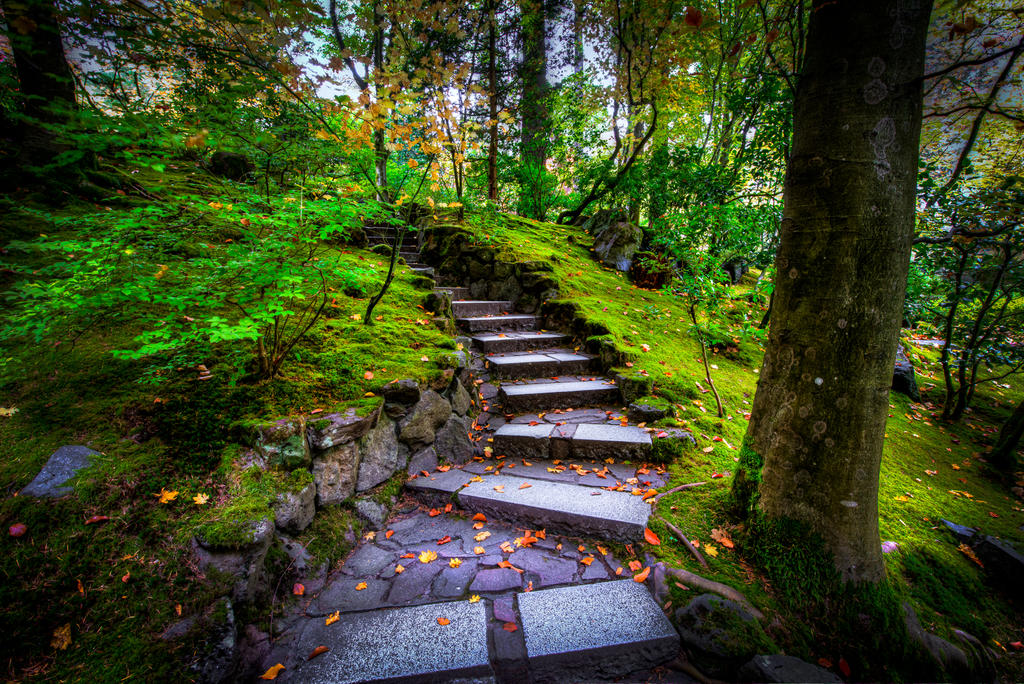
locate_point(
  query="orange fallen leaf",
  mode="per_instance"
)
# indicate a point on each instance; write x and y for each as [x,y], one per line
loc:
[368,375]
[408,555]
[510,627]
[525,485]
[434,513]
[443,621]
[332,618]
[642,577]
[272,672]
[587,561]
[360,586]
[448,508]
[506,564]
[387,535]
[650,537]
[166,496]
[722,537]
[480,517]
[399,569]
[444,540]
[635,565]
[298,589]
[478,550]
[319,650]
[499,488]
[618,570]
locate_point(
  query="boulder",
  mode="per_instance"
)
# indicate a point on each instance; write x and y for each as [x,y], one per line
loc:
[784,668]
[720,634]
[645,413]
[220,644]
[1003,564]
[246,563]
[403,393]
[379,455]
[231,165]
[460,399]
[372,512]
[903,379]
[616,240]
[451,443]
[735,270]
[424,459]
[63,464]
[632,386]
[332,429]
[430,413]
[294,511]
[283,443]
[335,472]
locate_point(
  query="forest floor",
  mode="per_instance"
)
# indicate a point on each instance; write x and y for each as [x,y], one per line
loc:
[90,600]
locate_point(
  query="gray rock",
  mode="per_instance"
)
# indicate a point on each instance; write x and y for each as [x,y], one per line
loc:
[431,412]
[460,399]
[547,568]
[335,472]
[253,649]
[453,582]
[784,668]
[283,443]
[221,643]
[372,512]
[332,429]
[496,579]
[367,561]
[1003,563]
[720,634]
[503,609]
[294,511]
[414,582]
[399,396]
[903,379]
[962,533]
[63,464]
[247,564]
[645,413]
[424,459]
[379,455]
[452,441]
[616,240]
[342,595]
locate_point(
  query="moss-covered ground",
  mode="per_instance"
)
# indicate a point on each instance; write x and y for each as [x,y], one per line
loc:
[119,584]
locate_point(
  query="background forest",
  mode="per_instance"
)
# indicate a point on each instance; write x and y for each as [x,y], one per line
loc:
[185,190]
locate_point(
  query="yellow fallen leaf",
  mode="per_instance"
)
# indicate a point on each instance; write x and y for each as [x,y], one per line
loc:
[454,562]
[499,488]
[399,569]
[333,617]
[272,672]
[478,550]
[165,496]
[483,535]
[62,637]
[711,550]
[200,499]
[360,586]
[427,556]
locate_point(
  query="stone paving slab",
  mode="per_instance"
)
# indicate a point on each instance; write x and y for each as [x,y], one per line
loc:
[394,645]
[565,507]
[517,341]
[600,630]
[467,308]
[548,395]
[497,323]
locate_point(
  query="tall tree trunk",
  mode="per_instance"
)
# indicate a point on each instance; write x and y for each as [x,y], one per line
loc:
[533,148]
[492,104]
[380,150]
[818,420]
[1004,455]
[578,16]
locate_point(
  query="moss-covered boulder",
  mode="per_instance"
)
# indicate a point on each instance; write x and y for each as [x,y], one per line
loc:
[720,635]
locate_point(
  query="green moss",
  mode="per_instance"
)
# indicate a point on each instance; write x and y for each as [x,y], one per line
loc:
[739,637]
[747,479]
[332,534]
[668,449]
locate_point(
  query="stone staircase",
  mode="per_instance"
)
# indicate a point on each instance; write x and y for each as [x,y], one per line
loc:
[521,589]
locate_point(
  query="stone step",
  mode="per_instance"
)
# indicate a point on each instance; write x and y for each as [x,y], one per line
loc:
[567,508]
[585,441]
[456,293]
[392,645]
[543,364]
[423,270]
[409,256]
[590,632]
[470,308]
[517,341]
[550,395]
[497,323]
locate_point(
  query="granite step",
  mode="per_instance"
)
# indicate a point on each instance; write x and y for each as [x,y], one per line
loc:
[423,270]
[394,645]
[565,508]
[517,341]
[593,632]
[542,364]
[510,322]
[471,308]
[584,441]
[456,293]
[550,395]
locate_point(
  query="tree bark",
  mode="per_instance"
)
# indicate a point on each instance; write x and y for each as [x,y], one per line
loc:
[533,147]
[1004,455]
[44,77]
[818,420]
[492,103]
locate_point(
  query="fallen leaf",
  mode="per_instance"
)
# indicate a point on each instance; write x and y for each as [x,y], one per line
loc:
[499,488]
[96,519]
[399,569]
[587,561]
[360,586]
[387,535]
[424,358]
[443,621]
[62,637]
[454,562]
[523,486]
[711,550]
[481,536]
[510,627]
[200,499]
[509,566]
[722,537]
[844,667]
[478,550]
[368,375]
[635,565]
[17,529]
[642,577]
[298,589]
[319,650]
[434,512]
[618,570]
[475,598]
[332,618]
[273,671]
[448,508]
[480,517]
[444,540]
[165,496]
[650,537]
[427,556]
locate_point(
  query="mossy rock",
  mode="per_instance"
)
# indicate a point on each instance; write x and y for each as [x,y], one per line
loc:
[633,385]
[382,249]
[423,283]
[676,445]
[721,635]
